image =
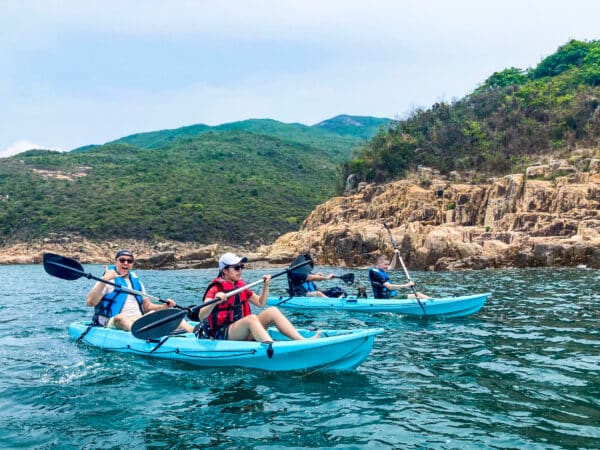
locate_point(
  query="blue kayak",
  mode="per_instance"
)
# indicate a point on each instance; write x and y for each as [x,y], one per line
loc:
[447,307]
[335,350]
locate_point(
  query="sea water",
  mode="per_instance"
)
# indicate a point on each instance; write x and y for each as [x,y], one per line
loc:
[522,373]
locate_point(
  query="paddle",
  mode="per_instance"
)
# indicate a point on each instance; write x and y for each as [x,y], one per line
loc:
[69,269]
[413,287]
[347,278]
[157,324]
[149,328]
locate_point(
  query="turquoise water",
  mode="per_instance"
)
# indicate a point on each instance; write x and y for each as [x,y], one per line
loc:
[523,373]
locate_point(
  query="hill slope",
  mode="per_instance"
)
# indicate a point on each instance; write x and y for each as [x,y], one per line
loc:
[514,116]
[228,186]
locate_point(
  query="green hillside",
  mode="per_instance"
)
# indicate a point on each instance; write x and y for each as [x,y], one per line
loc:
[336,141]
[363,127]
[156,139]
[228,186]
[512,117]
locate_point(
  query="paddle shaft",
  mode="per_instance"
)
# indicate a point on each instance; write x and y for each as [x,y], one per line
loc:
[254,283]
[413,287]
[102,280]
[216,300]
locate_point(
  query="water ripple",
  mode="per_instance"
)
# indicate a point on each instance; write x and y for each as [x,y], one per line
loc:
[523,373]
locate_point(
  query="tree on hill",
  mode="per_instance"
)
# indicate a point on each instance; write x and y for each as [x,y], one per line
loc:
[513,115]
[231,186]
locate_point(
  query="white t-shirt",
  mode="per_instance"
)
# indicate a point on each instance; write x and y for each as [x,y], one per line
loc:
[131,307]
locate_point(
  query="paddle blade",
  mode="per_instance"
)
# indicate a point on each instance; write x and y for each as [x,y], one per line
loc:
[347,278]
[157,324]
[302,265]
[62,267]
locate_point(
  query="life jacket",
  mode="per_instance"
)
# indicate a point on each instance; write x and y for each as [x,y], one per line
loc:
[111,304]
[300,289]
[233,309]
[309,286]
[378,277]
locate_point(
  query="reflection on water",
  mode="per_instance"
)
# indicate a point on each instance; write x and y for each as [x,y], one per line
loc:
[521,373]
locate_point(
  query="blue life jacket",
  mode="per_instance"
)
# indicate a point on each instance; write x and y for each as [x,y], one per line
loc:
[112,303]
[299,288]
[378,277]
[309,286]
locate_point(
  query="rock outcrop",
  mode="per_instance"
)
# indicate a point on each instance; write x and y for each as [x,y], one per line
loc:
[548,217]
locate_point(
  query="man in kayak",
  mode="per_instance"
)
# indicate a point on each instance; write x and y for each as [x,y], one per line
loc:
[380,280]
[118,309]
[303,285]
[231,319]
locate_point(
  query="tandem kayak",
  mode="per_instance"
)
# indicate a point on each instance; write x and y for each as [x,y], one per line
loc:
[447,307]
[335,350]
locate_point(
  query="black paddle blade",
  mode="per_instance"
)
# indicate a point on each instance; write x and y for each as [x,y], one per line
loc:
[62,267]
[157,324]
[347,278]
[302,265]
[194,313]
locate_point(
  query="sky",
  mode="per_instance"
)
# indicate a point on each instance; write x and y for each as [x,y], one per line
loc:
[81,72]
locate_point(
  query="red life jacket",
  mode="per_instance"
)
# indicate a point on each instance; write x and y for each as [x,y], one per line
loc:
[230,311]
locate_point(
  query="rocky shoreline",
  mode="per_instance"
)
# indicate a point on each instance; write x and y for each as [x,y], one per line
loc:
[547,217]
[148,255]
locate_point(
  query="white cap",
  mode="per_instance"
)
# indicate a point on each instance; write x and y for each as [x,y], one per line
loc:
[230,259]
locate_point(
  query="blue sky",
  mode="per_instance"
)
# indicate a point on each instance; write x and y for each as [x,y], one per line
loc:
[79,72]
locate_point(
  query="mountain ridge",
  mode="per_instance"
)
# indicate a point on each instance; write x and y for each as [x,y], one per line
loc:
[361,128]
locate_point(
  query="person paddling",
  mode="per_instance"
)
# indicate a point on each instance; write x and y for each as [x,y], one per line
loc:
[380,279]
[114,308]
[303,285]
[232,319]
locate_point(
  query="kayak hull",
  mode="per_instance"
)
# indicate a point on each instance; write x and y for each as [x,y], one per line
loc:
[447,307]
[335,350]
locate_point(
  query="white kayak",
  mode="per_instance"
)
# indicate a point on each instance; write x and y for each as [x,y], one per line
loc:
[446,307]
[335,350]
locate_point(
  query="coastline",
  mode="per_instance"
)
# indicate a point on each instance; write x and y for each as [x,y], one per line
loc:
[541,218]
[155,255]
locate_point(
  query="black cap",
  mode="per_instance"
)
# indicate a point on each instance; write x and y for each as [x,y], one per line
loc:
[123,252]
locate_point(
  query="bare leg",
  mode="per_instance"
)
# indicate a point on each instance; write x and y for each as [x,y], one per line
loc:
[274,316]
[123,322]
[185,326]
[315,294]
[248,326]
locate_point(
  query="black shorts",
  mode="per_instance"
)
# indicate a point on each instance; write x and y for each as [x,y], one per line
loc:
[202,330]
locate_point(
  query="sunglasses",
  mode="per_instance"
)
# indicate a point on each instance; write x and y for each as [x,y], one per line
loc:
[125,260]
[237,268]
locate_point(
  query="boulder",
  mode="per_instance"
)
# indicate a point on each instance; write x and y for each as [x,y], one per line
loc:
[156,261]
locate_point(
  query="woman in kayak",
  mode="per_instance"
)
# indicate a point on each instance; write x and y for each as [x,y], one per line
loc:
[114,308]
[380,280]
[231,318]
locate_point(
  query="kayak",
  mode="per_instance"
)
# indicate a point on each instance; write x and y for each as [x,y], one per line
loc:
[447,307]
[335,350]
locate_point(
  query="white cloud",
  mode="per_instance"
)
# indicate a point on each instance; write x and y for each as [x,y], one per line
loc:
[18,147]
